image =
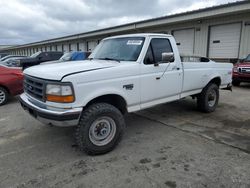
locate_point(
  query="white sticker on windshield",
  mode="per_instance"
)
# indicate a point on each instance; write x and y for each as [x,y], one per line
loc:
[134,42]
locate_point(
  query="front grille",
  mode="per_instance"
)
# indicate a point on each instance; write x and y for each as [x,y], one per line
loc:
[34,87]
[244,70]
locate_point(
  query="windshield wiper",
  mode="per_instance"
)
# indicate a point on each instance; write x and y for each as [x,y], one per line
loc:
[111,59]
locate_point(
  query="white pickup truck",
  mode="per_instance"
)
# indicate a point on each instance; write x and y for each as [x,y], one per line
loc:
[124,74]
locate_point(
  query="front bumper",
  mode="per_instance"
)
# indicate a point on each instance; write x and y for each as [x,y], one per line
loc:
[52,116]
[242,78]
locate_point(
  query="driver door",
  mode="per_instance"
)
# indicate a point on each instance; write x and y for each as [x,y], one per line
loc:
[160,81]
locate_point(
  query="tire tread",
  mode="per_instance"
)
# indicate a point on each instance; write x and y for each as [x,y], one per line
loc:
[201,99]
[6,96]
[87,115]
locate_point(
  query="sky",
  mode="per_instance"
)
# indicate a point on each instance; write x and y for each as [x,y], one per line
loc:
[26,21]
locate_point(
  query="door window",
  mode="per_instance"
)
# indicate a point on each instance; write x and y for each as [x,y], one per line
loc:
[156,48]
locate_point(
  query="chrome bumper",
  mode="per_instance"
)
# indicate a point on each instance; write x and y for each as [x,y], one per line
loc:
[58,117]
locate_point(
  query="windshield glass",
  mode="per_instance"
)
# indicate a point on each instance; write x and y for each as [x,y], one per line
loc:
[5,57]
[35,54]
[248,58]
[66,56]
[12,62]
[10,57]
[120,49]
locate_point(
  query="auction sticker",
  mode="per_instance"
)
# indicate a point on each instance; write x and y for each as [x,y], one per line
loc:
[134,42]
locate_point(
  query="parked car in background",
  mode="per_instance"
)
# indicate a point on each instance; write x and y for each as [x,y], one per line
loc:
[241,71]
[72,56]
[11,56]
[11,82]
[39,57]
[12,62]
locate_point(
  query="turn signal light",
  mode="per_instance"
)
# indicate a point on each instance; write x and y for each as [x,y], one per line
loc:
[60,99]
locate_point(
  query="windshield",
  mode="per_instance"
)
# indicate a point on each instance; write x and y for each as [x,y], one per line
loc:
[12,62]
[9,63]
[120,49]
[67,56]
[248,58]
[5,57]
[11,56]
[35,54]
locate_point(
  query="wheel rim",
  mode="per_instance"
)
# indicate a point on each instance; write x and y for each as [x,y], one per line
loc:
[212,97]
[102,131]
[2,97]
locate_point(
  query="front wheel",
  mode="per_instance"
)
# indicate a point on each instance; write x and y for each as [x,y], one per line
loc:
[3,96]
[208,99]
[100,129]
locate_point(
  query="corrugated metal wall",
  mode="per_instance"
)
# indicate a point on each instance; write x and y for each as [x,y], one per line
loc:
[201,35]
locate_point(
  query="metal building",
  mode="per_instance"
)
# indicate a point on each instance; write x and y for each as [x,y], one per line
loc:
[219,32]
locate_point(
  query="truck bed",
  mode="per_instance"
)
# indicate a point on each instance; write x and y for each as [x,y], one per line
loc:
[197,74]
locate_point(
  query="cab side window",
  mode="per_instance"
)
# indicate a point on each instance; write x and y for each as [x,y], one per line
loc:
[156,48]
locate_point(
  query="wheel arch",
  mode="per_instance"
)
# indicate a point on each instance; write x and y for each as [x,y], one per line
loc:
[216,80]
[114,99]
[6,88]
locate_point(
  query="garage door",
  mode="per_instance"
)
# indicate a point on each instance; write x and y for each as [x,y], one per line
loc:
[82,46]
[91,45]
[185,41]
[74,47]
[224,41]
[66,48]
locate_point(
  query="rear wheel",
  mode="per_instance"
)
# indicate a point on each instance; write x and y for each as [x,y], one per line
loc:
[207,100]
[236,82]
[3,96]
[100,129]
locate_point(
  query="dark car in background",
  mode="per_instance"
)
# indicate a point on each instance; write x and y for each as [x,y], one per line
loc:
[38,58]
[241,71]
[11,82]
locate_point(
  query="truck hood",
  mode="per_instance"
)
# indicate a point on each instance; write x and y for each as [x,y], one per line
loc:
[243,64]
[57,71]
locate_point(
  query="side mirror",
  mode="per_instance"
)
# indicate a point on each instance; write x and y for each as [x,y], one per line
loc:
[167,57]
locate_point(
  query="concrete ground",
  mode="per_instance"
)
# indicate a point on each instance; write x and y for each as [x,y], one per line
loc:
[171,145]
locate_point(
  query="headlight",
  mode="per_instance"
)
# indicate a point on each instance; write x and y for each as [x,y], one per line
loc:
[60,93]
[235,69]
